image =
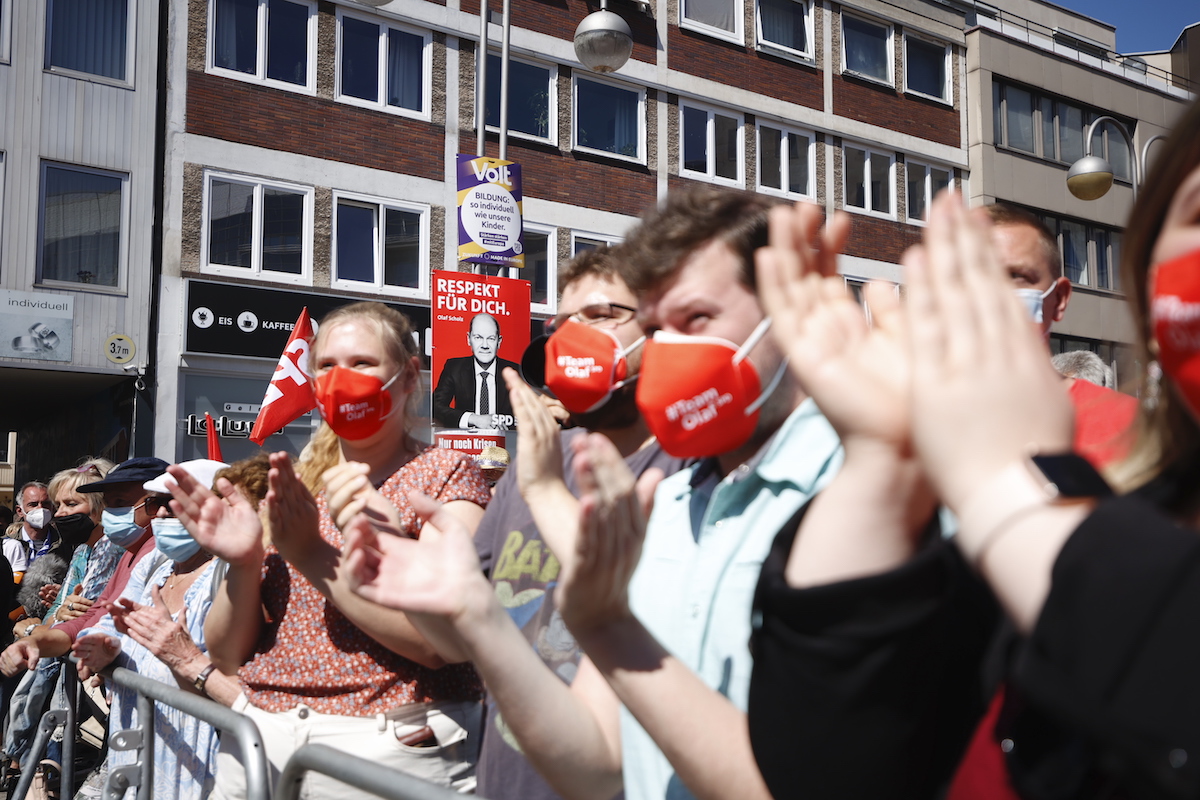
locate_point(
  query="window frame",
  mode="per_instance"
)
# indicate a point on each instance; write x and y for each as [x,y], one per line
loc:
[785,181]
[737,35]
[6,12]
[425,112]
[260,70]
[381,204]
[889,47]
[947,67]
[808,56]
[131,12]
[868,197]
[122,248]
[255,271]
[599,238]
[638,91]
[550,307]
[552,100]
[710,175]
[927,183]
[1095,238]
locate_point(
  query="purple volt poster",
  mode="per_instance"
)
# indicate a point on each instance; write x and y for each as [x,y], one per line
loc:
[489,212]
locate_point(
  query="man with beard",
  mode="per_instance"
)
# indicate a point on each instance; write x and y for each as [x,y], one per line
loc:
[522,569]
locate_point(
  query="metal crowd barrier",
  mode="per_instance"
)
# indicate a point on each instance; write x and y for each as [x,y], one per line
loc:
[228,721]
[51,720]
[357,772]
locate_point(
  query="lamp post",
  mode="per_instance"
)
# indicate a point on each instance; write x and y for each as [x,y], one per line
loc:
[1091,177]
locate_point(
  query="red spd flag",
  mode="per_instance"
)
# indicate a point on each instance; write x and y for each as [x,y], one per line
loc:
[290,392]
[214,438]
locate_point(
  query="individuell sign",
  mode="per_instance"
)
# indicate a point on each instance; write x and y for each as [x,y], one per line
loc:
[36,325]
[489,212]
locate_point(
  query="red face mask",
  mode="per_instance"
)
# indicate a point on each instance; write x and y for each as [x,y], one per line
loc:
[1175,314]
[700,395]
[585,364]
[354,403]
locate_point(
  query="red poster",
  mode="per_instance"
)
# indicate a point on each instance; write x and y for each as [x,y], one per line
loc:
[480,326]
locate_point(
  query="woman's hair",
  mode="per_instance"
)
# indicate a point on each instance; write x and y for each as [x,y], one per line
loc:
[1167,437]
[70,479]
[249,475]
[396,333]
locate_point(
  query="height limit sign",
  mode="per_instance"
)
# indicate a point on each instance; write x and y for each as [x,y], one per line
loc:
[489,212]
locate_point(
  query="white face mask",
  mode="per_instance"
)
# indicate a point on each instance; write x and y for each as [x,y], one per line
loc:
[37,518]
[1032,299]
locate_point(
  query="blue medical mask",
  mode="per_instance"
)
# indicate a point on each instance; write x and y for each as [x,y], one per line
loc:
[119,526]
[173,540]
[1032,300]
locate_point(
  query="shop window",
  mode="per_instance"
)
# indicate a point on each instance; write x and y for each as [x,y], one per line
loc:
[383,66]
[82,218]
[785,161]
[609,118]
[89,36]
[258,229]
[381,245]
[868,180]
[867,49]
[273,41]
[711,145]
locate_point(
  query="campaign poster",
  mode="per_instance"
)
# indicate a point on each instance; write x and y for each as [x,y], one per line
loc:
[489,212]
[37,325]
[480,326]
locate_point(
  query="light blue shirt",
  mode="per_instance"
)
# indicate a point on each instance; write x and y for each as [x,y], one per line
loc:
[694,586]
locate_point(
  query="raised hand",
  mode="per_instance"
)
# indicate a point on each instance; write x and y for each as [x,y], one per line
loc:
[593,587]
[95,653]
[348,492]
[984,392]
[539,448]
[856,372]
[152,627]
[48,592]
[227,526]
[291,509]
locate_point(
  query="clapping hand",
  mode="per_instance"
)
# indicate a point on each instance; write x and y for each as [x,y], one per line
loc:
[227,526]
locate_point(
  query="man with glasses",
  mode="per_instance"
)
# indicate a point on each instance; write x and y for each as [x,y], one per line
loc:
[37,535]
[520,566]
[126,523]
[470,392]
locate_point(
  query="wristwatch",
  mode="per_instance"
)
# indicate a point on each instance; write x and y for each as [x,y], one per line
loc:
[28,629]
[1068,476]
[202,679]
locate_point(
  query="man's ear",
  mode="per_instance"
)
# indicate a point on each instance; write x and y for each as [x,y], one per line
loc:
[1061,298]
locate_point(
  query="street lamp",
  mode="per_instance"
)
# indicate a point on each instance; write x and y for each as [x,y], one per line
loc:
[1091,177]
[603,41]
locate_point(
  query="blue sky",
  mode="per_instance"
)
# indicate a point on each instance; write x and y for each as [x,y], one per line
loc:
[1141,25]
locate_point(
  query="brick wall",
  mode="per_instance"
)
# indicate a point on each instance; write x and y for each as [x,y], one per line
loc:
[280,120]
[736,65]
[888,108]
[880,239]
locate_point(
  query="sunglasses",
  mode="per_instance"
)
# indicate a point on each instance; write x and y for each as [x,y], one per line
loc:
[157,503]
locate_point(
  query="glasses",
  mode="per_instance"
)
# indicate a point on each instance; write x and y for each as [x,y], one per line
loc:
[156,503]
[92,468]
[592,314]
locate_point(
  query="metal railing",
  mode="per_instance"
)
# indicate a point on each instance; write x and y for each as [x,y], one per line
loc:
[46,727]
[357,772]
[228,721]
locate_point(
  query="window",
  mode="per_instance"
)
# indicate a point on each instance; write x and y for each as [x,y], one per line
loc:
[381,66]
[720,18]
[608,118]
[927,68]
[258,229]
[867,49]
[541,268]
[90,36]
[1053,129]
[82,212]
[712,145]
[785,161]
[267,40]
[1091,254]
[868,180]
[5,28]
[785,25]
[922,183]
[586,241]
[380,245]
[531,99]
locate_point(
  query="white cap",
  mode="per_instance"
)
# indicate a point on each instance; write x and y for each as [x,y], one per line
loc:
[202,469]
